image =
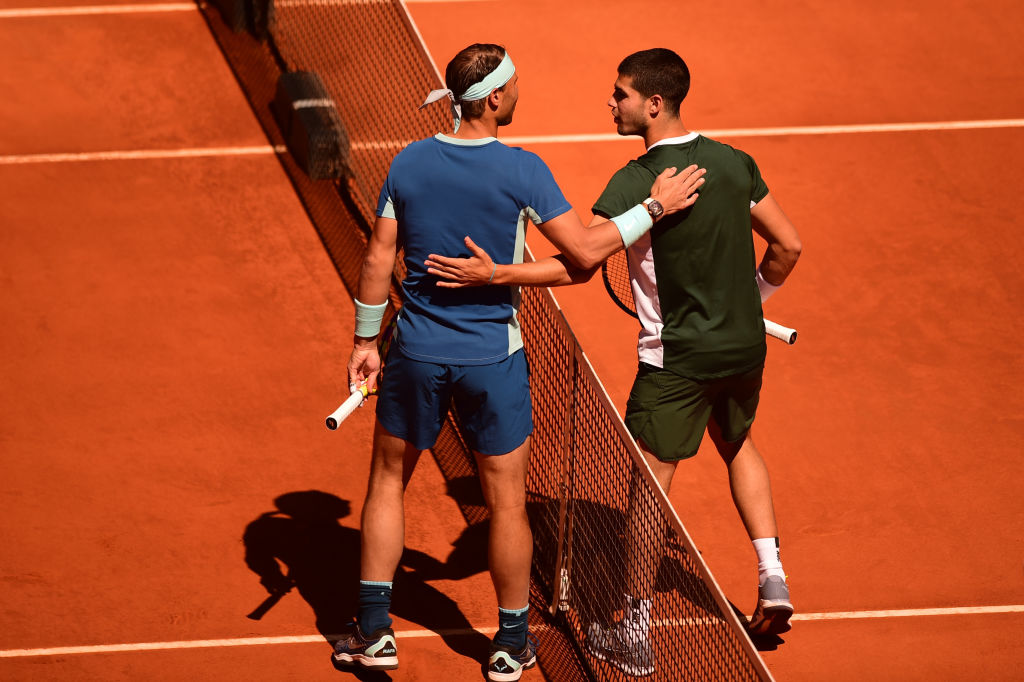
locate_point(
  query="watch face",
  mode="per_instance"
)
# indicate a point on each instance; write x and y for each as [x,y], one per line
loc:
[654,208]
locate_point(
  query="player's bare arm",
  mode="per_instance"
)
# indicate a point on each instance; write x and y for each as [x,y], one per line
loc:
[374,287]
[588,247]
[583,248]
[784,244]
[480,269]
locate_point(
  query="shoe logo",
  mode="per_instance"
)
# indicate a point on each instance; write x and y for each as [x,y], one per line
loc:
[501,667]
[388,651]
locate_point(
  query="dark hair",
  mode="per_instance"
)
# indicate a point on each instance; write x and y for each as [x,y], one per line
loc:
[658,71]
[470,66]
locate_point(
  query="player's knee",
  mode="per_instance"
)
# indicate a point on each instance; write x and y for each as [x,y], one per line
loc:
[512,509]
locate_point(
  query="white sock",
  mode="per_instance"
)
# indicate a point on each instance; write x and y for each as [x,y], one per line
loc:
[638,613]
[768,559]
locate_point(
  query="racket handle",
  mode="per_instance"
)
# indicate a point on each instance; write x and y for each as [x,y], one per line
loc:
[348,407]
[778,331]
[268,604]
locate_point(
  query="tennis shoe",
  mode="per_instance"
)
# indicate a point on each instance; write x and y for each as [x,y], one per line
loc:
[377,651]
[507,665]
[771,617]
[626,647]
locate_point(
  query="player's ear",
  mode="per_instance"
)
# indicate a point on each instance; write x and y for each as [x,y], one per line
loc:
[655,104]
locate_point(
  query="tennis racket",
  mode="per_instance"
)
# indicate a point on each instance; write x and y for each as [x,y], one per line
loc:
[360,392]
[615,274]
[335,418]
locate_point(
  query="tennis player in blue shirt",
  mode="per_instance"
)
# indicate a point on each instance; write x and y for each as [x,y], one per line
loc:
[463,346]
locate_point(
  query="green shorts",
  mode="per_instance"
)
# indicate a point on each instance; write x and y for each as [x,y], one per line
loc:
[669,413]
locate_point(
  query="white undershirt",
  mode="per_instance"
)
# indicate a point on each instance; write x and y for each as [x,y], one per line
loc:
[643,282]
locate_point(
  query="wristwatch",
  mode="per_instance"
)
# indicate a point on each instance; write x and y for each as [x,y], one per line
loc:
[653,207]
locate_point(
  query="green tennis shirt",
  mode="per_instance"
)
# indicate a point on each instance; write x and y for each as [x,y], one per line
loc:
[693,275]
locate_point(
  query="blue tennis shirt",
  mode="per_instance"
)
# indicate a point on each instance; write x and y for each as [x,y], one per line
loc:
[440,190]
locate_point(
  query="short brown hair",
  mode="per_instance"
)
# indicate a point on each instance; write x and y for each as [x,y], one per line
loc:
[470,66]
[658,71]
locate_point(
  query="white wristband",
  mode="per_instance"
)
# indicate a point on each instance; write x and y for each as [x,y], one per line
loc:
[368,319]
[764,286]
[633,224]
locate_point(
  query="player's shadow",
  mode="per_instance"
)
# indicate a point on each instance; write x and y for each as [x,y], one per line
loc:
[301,547]
[468,555]
[598,541]
[761,642]
[767,642]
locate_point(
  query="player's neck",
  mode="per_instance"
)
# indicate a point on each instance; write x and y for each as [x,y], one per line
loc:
[661,130]
[477,128]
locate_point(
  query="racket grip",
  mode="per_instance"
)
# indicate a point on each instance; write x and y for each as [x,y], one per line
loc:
[348,407]
[775,329]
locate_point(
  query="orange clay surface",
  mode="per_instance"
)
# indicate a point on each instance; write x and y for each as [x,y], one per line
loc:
[173,335]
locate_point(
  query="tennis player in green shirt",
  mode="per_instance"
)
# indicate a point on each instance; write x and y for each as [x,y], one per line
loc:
[701,346]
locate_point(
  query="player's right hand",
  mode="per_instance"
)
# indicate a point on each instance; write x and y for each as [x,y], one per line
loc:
[676,191]
[364,364]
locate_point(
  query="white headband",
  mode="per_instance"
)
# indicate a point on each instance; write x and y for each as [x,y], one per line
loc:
[495,79]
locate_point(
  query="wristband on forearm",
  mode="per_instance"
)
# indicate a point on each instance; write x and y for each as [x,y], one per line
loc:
[765,287]
[633,224]
[368,319]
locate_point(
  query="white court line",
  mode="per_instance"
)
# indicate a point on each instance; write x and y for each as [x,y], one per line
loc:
[855,615]
[314,639]
[218,643]
[734,132]
[19,13]
[782,131]
[910,613]
[261,150]
[526,139]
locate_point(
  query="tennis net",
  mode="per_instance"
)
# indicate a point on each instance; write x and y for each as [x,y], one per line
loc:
[596,513]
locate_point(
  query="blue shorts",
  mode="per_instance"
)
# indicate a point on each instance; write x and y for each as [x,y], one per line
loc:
[492,401]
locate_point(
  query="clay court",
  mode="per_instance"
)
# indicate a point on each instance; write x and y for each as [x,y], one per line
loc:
[174,333]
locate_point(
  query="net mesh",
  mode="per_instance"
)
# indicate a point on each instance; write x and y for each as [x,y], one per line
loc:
[597,519]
